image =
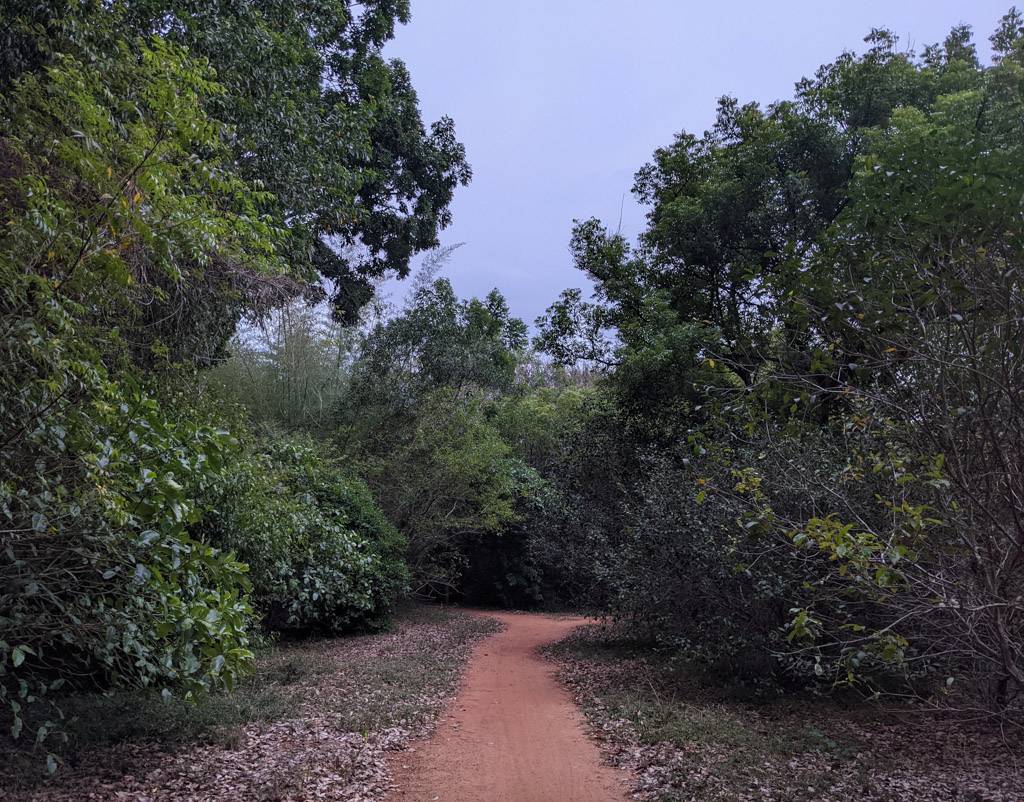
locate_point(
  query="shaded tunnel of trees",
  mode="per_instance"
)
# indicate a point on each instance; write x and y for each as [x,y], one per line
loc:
[784,435]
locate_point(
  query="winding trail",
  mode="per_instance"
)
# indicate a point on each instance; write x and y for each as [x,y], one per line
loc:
[513,734]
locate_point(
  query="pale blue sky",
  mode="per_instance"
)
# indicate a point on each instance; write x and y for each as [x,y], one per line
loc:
[559,102]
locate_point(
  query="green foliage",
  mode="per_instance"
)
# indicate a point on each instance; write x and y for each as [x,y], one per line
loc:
[155,189]
[291,370]
[537,424]
[437,341]
[416,418]
[454,477]
[572,519]
[324,123]
[321,555]
[110,203]
[525,564]
[101,576]
[920,362]
[813,393]
[789,448]
[103,197]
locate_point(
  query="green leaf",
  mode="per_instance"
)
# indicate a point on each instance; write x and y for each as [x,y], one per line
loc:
[18,655]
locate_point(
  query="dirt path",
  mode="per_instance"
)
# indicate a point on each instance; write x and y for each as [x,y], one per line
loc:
[513,734]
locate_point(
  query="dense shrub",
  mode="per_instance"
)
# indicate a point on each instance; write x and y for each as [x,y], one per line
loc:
[103,199]
[511,567]
[534,559]
[101,581]
[452,477]
[321,554]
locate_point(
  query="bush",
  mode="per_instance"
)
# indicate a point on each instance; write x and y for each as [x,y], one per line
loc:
[449,478]
[509,568]
[101,581]
[321,554]
[532,561]
[103,200]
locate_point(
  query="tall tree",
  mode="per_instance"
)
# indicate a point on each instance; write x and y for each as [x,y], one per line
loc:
[734,215]
[319,118]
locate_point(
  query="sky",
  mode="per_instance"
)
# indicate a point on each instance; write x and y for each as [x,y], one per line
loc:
[560,102]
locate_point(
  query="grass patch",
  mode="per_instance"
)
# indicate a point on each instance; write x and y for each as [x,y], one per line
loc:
[744,739]
[724,735]
[361,684]
[271,693]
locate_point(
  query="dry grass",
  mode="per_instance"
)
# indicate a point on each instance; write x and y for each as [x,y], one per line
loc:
[315,721]
[689,740]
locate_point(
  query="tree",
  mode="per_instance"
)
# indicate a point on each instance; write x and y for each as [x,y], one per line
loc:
[469,347]
[113,181]
[291,368]
[448,477]
[416,419]
[736,214]
[816,370]
[327,126]
[920,326]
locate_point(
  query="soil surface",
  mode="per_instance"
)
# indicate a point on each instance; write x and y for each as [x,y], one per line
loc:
[513,734]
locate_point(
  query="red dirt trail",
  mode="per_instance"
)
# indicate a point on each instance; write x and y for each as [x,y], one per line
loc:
[513,734]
